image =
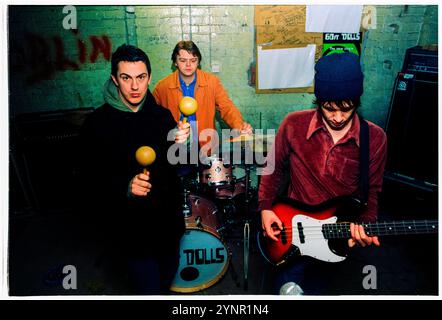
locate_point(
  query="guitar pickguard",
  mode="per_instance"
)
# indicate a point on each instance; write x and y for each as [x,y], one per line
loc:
[307,236]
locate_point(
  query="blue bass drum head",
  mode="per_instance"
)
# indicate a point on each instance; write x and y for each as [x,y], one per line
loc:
[204,260]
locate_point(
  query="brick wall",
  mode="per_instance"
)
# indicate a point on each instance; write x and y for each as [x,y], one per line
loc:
[53,68]
[48,74]
[398,28]
[429,32]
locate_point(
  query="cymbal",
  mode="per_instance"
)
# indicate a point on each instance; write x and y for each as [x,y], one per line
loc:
[246,143]
[251,137]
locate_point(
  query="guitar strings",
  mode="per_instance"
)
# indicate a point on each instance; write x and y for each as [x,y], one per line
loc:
[386,226]
[342,229]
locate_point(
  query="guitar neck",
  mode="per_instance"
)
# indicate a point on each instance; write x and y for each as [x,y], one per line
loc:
[342,230]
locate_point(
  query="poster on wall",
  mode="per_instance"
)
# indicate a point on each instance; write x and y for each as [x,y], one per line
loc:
[342,42]
[286,68]
[333,18]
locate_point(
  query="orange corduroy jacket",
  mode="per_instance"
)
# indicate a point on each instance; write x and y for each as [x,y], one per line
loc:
[210,95]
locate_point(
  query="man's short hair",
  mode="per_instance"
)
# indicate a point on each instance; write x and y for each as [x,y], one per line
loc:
[189,46]
[129,53]
[342,105]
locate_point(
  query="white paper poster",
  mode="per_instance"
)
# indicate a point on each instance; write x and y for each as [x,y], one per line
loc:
[286,68]
[337,18]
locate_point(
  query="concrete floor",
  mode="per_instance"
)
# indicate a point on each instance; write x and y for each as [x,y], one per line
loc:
[42,242]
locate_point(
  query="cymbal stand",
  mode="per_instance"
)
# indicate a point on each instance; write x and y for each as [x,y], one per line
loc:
[246,226]
[246,254]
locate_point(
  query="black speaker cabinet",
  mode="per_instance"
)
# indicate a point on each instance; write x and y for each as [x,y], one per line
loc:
[412,130]
[43,159]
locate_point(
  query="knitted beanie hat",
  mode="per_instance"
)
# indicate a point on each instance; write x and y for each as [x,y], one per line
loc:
[338,77]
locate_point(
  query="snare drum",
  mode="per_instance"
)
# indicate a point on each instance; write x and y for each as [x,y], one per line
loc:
[216,173]
[204,257]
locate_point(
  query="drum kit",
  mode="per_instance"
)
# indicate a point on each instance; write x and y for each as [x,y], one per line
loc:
[216,199]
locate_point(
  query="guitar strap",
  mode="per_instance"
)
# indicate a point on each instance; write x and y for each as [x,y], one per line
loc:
[363,160]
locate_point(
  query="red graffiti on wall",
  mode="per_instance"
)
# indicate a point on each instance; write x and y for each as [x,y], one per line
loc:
[40,58]
[81,50]
[103,45]
[61,61]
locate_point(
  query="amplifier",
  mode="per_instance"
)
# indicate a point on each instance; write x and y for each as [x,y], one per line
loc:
[50,126]
[44,150]
[412,130]
[418,59]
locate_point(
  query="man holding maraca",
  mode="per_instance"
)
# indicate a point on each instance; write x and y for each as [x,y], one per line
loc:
[189,81]
[132,191]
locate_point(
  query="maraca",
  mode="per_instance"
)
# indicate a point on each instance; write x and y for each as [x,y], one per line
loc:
[188,106]
[145,156]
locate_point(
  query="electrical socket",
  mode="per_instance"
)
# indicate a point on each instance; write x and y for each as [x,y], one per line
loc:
[216,67]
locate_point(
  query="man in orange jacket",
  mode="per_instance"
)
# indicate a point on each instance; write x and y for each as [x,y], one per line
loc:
[189,80]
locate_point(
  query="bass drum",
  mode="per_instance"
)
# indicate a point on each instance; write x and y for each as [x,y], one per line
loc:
[204,260]
[204,257]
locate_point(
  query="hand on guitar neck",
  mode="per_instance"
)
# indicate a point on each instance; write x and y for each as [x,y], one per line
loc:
[358,236]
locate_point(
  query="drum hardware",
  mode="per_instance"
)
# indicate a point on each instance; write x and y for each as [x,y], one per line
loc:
[221,230]
[246,254]
[247,182]
[198,221]
[226,226]
[186,208]
[246,225]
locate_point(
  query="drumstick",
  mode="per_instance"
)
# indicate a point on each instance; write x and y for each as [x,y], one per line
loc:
[188,106]
[145,156]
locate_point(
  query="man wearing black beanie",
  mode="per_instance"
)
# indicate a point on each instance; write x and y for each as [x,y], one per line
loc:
[322,148]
